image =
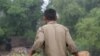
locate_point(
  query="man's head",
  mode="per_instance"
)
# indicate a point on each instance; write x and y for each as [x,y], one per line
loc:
[50,15]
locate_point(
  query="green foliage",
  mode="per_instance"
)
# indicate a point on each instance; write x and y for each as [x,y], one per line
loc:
[72,13]
[30,34]
[89,4]
[19,16]
[1,32]
[88,30]
[15,9]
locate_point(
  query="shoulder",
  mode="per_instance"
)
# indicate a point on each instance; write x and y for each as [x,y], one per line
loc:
[45,26]
[64,27]
[42,28]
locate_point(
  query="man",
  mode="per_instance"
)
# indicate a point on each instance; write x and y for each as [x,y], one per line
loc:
[54,38]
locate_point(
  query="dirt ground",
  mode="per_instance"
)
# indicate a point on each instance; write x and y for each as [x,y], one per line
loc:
[18,51]
[20,47]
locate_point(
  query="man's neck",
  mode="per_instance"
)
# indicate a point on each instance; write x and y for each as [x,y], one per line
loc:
[51,22]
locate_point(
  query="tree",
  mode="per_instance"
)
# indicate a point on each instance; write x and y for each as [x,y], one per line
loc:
[69,12]
[88,31]
[89,4]
[19,16]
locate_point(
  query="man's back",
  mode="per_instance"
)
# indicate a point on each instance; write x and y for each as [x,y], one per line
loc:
[55,39]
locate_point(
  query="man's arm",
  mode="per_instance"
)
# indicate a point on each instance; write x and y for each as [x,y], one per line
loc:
[38,42]
[75,54]
[70,44]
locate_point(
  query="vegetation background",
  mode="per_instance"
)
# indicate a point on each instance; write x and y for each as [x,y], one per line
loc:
[82,17]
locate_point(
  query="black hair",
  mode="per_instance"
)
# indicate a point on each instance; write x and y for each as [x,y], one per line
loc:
[50,14]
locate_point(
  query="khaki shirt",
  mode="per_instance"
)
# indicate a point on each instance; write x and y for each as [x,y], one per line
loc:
[55,40]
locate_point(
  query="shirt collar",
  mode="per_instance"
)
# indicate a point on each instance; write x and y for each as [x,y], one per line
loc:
[51,22]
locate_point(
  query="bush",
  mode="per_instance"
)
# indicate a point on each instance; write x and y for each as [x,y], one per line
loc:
[1,32]
[30,34]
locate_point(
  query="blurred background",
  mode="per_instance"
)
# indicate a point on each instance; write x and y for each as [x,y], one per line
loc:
[20,19]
